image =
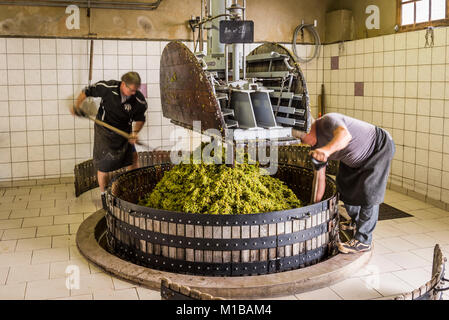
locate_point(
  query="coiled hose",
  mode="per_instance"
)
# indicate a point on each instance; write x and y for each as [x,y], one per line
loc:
[316,36]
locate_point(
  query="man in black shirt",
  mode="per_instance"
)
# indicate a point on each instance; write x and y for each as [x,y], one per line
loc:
[121,105]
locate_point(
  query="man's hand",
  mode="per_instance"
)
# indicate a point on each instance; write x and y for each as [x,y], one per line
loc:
[320,154]
[133,138]
[77,112]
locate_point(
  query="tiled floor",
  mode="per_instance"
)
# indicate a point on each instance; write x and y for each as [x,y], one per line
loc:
[38,225]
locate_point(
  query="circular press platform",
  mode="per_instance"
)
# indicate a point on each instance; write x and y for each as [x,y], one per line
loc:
[323,274]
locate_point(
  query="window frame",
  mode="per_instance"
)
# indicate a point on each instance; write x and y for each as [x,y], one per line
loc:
[421,25]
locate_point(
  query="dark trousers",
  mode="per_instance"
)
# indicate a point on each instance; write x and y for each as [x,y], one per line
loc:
[365,219]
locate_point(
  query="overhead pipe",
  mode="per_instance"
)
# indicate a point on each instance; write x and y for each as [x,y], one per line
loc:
[87,4]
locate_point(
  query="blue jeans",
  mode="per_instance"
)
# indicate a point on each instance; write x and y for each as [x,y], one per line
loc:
[365,219]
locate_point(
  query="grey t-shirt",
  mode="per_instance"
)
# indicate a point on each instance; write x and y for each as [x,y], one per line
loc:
[361,145]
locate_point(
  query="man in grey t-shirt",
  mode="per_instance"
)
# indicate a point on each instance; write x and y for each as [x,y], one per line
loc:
[365,153]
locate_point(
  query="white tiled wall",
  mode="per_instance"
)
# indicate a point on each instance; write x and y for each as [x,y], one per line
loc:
[406,91]
[39,80]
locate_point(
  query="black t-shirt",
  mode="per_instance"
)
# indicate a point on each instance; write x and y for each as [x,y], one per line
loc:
[112,110]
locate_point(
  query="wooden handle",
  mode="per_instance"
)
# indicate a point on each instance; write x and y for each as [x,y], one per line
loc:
[107,125]
[118,131]
[91,59]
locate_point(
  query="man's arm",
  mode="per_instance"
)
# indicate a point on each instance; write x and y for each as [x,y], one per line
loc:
[321,187]
[341,139]
[138,125]
[75,109]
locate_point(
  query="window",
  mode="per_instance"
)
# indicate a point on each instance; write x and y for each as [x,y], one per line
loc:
[416,14]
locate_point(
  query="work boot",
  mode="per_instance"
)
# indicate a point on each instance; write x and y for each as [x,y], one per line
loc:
[353,246]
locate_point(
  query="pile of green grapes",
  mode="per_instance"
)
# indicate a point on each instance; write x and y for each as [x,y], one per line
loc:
[220,189]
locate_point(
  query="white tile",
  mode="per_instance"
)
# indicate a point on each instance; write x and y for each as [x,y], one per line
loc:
[436,125]
[5,155]
[32,61]
[97,62]
[110,47]
[18,123]
[48,61]
[414,277]
[139,62]
[52,167]
[407,260]
[33,77]
[33,92]
[51,152]
[3,45]
[153,62]
[20,170]
[126,294]
[4,93]
[33,108]
[424,56]
[21,274]
[14,45]
[79,46]
[65,91]
[412,40]
[83,150]
[92,283]
[35,154]
[424,72]
[125,62]
[34,138]
[400,41]
[47,289]
[3,64]
[3,77]
[438,55]
[355,289]
[64,46]
[51,137]
[19,138]
[148,294]
[13,292]
[15,61]
[397,244]
[110,62]
[5,171]
[399,58]
[139,48]
[65,77]
[320,294]
[47,46]
[34,123]
[67,166]
[19,154]
[64,61]
[49,77]
[50,255]
[36,168]
[439,37]
[31,46]
[66,136]
[388,284]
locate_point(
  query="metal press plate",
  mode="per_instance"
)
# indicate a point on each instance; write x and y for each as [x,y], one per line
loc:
[186,93]
[299,85]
